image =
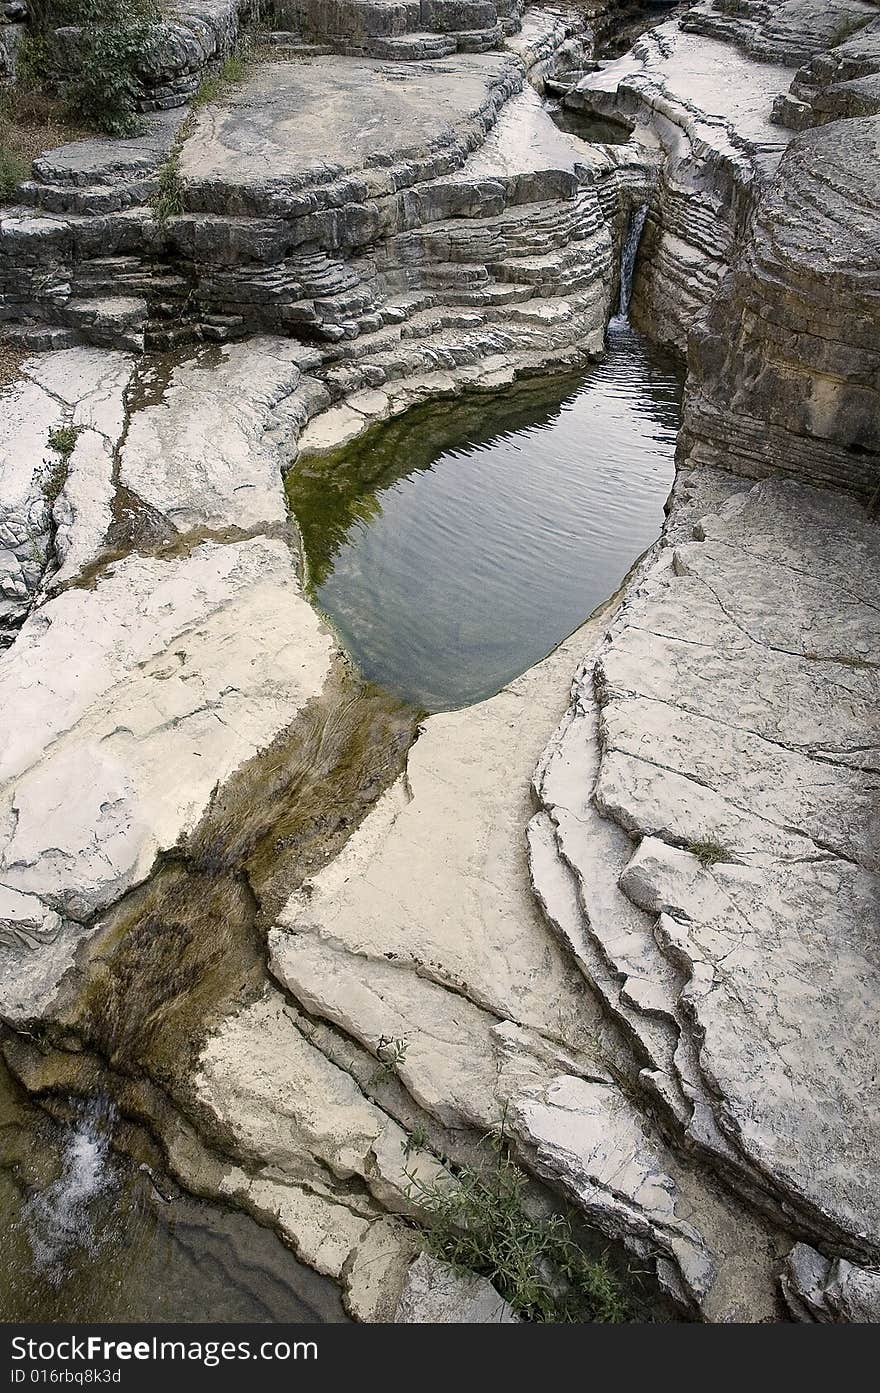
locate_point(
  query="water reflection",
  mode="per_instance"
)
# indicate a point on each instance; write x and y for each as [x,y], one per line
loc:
[457,545]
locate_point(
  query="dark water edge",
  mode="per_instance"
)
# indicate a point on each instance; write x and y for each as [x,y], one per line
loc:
[86,1236]
[457,545]
[595,130]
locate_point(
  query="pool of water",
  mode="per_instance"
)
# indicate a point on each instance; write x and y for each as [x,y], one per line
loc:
[86,1236]
[589,127]
[458,544]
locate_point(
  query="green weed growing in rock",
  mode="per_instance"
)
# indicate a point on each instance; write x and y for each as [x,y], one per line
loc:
[416,1140]
[483,1225]
[63,440]
[233,69]
[168,200]
[13,170]
[709,852]
[390,1052]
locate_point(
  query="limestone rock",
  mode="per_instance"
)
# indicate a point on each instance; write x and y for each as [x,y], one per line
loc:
[42,489]
[26,466]
[176,460]
[784,31]
[708,109]
[792,390]
[817,1288]
[187,665]
[433,1293]
[756,869]
[586,1135]
[422,931]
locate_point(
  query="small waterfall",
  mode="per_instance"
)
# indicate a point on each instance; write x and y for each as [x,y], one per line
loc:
[60,1218]
[628,256]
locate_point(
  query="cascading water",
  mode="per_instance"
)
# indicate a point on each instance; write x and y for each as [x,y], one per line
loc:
[84,1235]
[62,1217]
[628,257]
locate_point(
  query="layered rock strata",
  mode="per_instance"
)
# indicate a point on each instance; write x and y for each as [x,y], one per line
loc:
[784,369]
[665,994]
[317,238]
[760,257]
[705,110]
[736,941]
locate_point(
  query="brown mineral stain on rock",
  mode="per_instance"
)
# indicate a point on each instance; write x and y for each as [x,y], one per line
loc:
[182,950]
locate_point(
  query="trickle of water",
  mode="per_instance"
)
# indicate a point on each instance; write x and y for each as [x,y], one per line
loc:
[628,257]
[62,1216]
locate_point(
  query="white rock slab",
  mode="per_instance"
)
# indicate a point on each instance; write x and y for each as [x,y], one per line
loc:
[204,456]
[126,704]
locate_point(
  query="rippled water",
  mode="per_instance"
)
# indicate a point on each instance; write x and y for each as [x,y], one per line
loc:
[457,545]
[86,1236]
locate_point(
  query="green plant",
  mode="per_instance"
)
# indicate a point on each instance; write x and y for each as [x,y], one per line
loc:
[63,439]
[482,1224]
[13,169]
[32,60]
[417,1140]
[233,69]
[390,1052]
[168,199]
[117,40]
[709,852]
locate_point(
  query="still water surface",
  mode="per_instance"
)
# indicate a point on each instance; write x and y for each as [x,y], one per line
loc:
[457,545]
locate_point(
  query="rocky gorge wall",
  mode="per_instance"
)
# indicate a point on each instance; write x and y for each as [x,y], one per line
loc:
[760,255]
[669,1003]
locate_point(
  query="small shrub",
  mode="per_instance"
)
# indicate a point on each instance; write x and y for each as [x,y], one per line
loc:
[118,39]
[13,169]
[482,1225]
[63,439]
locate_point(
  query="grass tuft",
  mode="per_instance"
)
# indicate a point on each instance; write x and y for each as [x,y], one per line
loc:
[13,171]
[233,69]
[709,852]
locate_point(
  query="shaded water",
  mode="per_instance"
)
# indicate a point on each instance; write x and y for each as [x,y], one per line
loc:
[457,545]
[84,1236]
[589,127]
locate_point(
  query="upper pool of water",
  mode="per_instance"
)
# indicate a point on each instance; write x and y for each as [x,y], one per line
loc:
[589,127]
[458,544]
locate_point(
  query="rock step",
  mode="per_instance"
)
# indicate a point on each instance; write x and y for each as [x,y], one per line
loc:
[407,47]
[282,52]
[91,199]
[42,338]
[110,322]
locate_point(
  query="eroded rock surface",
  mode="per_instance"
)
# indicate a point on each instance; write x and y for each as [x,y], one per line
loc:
[662,982]
[793,389]
[712,727]
[704,109]
[424,929]
[435,1293]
